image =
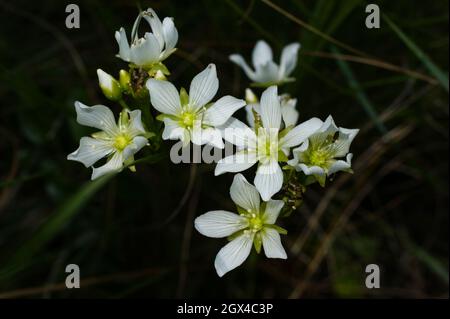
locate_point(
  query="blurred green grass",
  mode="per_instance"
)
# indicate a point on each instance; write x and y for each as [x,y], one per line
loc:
[393,211]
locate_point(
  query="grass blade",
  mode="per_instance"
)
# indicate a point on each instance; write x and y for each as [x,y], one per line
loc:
[360,94]
[54,224]
[422,56]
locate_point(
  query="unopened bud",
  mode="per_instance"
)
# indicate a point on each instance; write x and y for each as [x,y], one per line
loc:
[250,97]
[109,85]
[159,75]
[124,80]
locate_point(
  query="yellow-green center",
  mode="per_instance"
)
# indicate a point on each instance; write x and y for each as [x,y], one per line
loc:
[187,119]
[255,223]
[121,141]
[267,147]
[319,157]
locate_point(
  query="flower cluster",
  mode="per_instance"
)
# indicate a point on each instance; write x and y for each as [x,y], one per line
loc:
[288,156]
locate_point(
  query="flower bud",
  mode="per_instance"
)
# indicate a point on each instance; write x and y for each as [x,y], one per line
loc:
[109,85]
[159,75]
[250,97]
[124,80]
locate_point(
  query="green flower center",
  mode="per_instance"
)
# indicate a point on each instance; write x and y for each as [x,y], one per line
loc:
[319,157]
[121,141]
[267,147]
[187,119]
[255,223]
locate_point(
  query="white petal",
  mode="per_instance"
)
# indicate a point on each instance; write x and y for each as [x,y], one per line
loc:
[310,170]
[328,125]
[203,87]
[138,143]
[350,132]
[268,179]
[173,130]
[236,163]
[152,18]
[267,73]
[344,140]
[124,47]
[270,108]
[298,153]
[221,110]
[239,134]
[170,36]
[135,126]
[272,244]
[239,60]
[134,29]
[289,112]
[273,208]
[164,96]
[262,53]
[244,194]
[341,165]
[113,165]
[233,254]
[146,51]
[98,116]
[250,109]
[250,116]
[90,151]
[288,59]
[219,223]
[300,133]
[210,135]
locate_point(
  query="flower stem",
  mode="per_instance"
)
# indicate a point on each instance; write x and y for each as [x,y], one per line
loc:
[123,104]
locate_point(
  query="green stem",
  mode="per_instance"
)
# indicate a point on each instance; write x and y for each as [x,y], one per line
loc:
[123,104]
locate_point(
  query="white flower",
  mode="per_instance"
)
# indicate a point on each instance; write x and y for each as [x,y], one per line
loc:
[264,144]
[289,112]
[266,72]
[119,142]
[154,47]
[318,154]
[192,117]
[253,226]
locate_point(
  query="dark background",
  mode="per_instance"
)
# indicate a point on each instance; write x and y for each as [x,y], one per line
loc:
[133,235]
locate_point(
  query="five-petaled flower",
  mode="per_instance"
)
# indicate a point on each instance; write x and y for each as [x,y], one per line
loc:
[318,155]
[192,117]
[264,144]
[266,72]
[117,141]
[253,226]
[154,47]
